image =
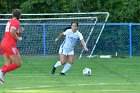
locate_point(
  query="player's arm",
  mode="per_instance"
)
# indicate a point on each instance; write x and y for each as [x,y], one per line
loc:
[83,42]
[13,32]
[84,45]
[59,36]
[63,33]
[21,29]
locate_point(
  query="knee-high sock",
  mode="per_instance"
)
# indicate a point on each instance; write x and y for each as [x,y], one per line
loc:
[66,68]
[10,68]
[3,66]
[58,63]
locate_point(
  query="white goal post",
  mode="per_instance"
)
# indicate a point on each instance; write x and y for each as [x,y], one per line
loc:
[48,25]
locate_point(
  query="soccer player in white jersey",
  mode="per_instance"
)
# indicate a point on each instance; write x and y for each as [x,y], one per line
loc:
[66,50]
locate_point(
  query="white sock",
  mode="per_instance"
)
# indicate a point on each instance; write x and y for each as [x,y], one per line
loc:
[1,74]
[58,63]
[66,68]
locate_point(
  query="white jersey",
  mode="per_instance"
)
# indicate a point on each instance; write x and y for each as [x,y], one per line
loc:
[71,39]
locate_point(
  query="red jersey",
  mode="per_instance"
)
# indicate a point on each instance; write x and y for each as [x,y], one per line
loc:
[8,39]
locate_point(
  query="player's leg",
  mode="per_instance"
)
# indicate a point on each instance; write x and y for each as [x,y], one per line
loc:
[8,61]
[69,64]
[62,61]
[16,62]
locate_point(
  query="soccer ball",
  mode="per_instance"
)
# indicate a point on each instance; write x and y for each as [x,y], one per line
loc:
[86,71]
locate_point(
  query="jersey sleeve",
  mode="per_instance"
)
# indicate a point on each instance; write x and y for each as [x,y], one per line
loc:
[15,24]
[66,32]
[80,36]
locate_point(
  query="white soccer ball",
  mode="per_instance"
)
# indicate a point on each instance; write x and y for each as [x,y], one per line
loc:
[86,71]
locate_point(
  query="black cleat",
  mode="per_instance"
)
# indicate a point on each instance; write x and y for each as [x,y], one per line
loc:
[62,74]
[53,70]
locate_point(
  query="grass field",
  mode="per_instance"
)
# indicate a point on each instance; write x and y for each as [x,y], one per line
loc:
[117,75]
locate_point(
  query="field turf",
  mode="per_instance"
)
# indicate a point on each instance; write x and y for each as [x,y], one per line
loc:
[115,75]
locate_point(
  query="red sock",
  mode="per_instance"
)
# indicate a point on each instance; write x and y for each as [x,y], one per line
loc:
[10,68]
[3,66]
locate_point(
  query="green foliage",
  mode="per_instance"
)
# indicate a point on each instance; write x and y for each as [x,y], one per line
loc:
[120,10]
[6,6]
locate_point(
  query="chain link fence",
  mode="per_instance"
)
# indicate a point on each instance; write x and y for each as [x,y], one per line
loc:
[115,38]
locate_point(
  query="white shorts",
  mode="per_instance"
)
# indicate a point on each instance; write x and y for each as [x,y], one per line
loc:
[66,52]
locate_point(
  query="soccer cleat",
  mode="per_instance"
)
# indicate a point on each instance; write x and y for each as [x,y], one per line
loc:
[62,74]
[53,70]
[1,81]
[1,77]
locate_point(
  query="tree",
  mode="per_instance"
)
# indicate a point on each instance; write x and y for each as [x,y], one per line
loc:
[6,6]
[120,10]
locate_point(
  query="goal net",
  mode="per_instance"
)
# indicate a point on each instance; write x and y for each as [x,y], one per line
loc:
[42,29]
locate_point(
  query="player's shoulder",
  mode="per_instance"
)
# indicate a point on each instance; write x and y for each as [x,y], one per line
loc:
[80,35]
[14,20]
[68,30]
[78,32]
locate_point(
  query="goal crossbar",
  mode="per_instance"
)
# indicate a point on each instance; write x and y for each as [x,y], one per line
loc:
[56,18]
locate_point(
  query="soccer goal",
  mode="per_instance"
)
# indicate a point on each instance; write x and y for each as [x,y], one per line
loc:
[42,29]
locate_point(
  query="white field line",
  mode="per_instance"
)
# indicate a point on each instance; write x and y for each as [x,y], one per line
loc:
[74,85]
[41,75]
[68,91]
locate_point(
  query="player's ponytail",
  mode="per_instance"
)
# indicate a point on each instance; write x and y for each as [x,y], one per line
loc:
[66,28]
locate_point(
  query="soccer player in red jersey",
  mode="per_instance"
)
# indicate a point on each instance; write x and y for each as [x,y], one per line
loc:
[8,45]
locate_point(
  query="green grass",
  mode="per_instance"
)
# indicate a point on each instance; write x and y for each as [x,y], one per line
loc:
[118,75]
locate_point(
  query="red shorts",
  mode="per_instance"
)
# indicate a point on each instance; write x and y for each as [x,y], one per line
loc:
[7,50]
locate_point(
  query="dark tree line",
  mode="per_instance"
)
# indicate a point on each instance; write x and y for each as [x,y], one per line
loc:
[120,10]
